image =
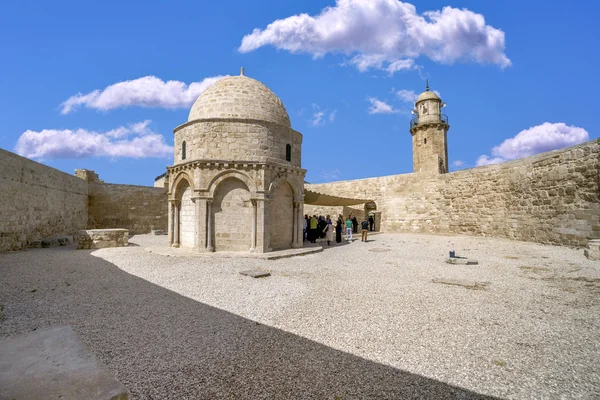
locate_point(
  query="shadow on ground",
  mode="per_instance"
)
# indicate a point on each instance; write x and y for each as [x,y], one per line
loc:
[162,345]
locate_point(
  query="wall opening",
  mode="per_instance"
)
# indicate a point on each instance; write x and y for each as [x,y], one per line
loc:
[281,220]
[232,210]
[183,150]
[288,152]
[187,217]
[425,141]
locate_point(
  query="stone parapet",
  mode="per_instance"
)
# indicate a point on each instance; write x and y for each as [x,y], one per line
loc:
[102,238]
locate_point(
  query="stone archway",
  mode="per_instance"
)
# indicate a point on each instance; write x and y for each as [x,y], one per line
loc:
[187,217]
[281,217]
[232,211]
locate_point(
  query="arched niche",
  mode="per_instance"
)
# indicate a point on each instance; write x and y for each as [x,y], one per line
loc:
[281,215]
[232,210]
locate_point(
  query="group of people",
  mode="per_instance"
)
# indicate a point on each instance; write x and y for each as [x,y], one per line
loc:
[323,228]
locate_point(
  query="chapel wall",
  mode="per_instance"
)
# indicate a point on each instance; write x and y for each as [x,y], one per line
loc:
[549,198]
[137,208]
[37,201]
[237,140]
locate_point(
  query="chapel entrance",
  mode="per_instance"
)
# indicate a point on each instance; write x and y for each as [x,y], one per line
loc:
[232,216]
[187,218]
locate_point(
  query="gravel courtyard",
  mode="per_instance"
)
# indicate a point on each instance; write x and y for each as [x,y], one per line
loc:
[356,321]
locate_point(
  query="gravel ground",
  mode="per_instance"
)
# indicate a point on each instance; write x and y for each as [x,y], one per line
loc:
[361,320]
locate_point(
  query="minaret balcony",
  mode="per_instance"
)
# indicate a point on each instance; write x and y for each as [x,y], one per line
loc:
[428,119]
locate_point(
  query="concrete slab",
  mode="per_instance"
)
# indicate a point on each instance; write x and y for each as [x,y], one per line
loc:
[462,261]
[255,273]
[53,363]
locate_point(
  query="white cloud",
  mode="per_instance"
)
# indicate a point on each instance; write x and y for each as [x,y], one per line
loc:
[332,115]
[380,107]
[320,116]
[317,119]
[386,34]
[364,62]
[458,163]
[135,141]
[538,139]
[407,96]
[148,91]
[331,175]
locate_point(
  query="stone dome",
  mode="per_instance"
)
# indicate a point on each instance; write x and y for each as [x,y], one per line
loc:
[239,97]
[427,95]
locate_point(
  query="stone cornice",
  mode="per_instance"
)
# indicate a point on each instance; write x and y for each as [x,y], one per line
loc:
[425,125]
[240,165]
[237,120]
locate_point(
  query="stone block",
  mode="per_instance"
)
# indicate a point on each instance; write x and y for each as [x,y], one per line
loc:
[462,261]
[102,238]
[53,363]
[158,232]
[255,273]
[593,250]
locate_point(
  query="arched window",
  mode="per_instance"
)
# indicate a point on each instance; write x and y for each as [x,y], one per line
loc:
[288,152]
[183,150]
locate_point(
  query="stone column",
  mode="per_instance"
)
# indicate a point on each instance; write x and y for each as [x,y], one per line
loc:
[209,226]
[170,222]
[299,225]
[175,224]
[295,225]
[262,226]
[199,239]
[254,227]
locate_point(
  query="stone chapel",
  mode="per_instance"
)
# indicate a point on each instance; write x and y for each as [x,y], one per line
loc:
[236,183]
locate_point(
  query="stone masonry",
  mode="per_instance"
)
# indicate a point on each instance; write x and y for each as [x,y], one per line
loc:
[37,202]
[102,238]
[236,183]
[139,209]
[549,198]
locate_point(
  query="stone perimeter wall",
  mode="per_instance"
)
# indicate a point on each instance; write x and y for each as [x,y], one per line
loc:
[37,202]
[137,208]
[550,198]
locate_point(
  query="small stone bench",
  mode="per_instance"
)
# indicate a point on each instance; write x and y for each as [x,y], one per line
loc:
[102,238]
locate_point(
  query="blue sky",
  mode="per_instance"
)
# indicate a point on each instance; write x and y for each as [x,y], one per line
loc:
[512,73]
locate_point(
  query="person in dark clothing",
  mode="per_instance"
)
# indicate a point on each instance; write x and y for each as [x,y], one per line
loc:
[354,225]
[371,222]
[338,231]
[321,229]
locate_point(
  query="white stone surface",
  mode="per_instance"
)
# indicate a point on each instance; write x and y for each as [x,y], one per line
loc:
[53,363]
[187,219]
[345,322]
[239,97]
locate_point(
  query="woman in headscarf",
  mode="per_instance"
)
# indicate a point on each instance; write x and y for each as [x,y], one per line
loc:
[329,231]
[338,229]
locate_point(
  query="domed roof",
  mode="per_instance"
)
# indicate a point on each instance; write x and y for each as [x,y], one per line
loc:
[239,97]
[427,96]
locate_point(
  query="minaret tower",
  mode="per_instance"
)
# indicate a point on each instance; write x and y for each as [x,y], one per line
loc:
[428,130]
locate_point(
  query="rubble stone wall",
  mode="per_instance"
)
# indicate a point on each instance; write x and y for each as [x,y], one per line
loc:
[37,201]
[549,198]
[136,208]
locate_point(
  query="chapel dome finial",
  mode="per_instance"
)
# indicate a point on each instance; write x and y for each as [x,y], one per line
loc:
[427,94]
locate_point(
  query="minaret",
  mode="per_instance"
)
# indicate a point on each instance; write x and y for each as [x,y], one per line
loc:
[428,130]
